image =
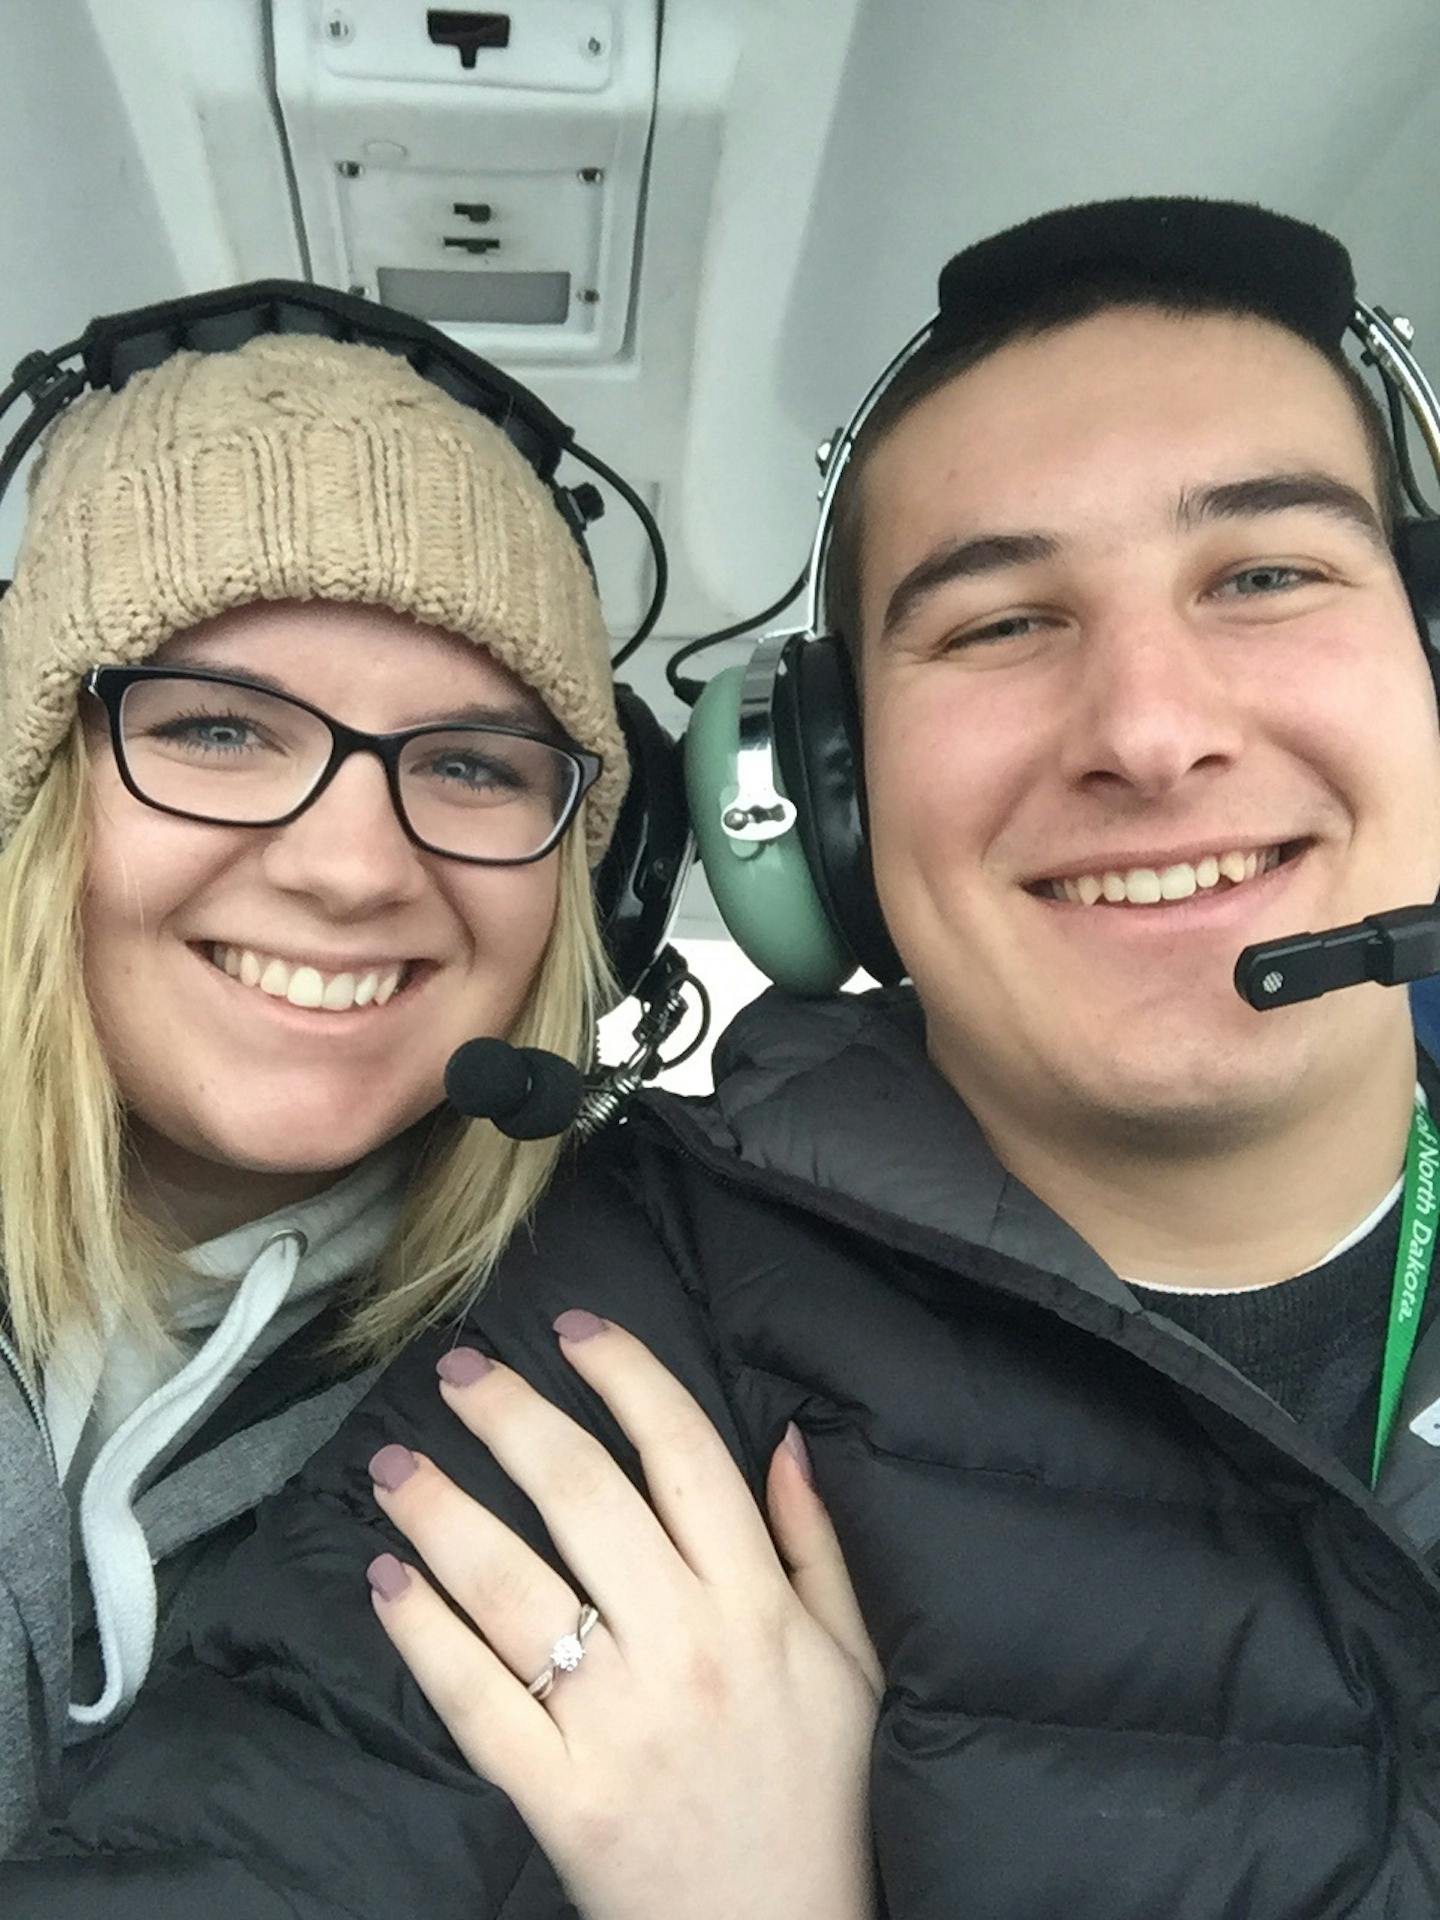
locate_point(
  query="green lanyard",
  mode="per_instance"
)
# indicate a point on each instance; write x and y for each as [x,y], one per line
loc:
[1412,1273]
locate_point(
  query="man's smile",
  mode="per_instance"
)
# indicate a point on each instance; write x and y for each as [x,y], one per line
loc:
[1162,879]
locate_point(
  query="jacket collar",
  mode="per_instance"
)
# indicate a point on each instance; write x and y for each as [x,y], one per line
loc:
[840,1095]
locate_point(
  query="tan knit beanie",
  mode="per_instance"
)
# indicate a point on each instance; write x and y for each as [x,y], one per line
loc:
[294,468]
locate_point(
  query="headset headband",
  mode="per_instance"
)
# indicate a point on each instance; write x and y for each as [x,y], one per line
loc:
[115,347]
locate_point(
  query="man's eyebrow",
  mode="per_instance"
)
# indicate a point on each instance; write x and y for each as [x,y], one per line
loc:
[1234,500]
[1278,493]
[963,560]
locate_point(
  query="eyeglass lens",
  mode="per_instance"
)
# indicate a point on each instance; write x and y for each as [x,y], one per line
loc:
[233,753]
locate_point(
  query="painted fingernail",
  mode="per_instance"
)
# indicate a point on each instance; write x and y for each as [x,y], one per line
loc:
[463,1366]
[387,1576]
[392,1466]
[796,1447]
[577,1324]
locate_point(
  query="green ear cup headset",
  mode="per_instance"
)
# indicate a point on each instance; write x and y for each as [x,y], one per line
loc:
[773,772]
[773,759]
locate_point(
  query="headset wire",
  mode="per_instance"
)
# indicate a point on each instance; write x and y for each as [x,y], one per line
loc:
[688,690]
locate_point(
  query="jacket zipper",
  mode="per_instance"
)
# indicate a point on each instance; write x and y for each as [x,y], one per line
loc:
[812,1202]
[30,1397]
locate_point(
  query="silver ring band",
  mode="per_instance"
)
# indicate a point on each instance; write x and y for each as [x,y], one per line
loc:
[566,1654]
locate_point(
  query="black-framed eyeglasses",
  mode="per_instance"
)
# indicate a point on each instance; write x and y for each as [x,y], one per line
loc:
[226,752]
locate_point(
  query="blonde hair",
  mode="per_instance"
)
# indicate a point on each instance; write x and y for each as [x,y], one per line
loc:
[73,1252]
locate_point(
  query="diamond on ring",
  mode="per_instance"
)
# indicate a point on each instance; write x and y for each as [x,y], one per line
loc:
[566,1654]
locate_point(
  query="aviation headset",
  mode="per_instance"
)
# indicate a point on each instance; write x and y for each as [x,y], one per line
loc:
[774,765]
[637,884]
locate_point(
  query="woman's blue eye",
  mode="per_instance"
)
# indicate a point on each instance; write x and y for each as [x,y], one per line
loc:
[475,770]
[211,732]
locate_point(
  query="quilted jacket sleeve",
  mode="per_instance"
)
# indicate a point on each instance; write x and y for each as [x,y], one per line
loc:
[287,1768]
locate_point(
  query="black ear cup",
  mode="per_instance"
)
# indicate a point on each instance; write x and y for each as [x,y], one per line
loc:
[1417,555]
[817,742]
[638,882]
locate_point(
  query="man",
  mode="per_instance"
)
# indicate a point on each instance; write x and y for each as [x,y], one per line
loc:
[1140,687]
[1075,1271]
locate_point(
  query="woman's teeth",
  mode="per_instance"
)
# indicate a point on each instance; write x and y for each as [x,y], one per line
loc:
[307,986]
[1148,886]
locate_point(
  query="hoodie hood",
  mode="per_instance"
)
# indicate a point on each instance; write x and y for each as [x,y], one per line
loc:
[254,1287]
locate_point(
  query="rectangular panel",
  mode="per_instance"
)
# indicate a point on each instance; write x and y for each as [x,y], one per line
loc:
[496,299]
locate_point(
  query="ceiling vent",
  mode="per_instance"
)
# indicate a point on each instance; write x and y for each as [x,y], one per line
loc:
[483,170]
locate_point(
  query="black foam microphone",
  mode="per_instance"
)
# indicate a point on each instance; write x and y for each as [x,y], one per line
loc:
[529,1094]
[1387,948]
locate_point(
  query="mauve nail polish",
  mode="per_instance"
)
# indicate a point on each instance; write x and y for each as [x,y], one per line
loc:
[577,1324]
[796,1447]
[392,1466]
[387,1576]
[463,1366]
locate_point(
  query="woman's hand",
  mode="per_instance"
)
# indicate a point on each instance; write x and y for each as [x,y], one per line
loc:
[708,1758]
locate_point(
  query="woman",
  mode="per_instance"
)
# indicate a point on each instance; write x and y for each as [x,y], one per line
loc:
[307,745]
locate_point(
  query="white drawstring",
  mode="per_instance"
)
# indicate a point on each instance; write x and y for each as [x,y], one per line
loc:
[117,1555]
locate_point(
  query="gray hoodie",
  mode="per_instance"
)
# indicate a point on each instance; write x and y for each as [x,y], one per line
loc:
[87,1503]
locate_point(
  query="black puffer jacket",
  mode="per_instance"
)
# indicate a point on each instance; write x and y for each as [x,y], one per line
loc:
[1149,1651]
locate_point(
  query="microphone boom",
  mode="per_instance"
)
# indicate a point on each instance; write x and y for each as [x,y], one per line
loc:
[1388,949]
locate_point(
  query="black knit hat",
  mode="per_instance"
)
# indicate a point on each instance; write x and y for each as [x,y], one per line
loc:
[1265,263]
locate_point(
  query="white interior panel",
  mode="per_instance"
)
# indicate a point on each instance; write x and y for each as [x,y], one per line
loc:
[527,161]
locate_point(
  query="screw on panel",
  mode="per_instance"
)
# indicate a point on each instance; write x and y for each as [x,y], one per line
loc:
[358,291]
[349,169]
[592,176]
[338,28]
[594,46]
[587,296]
[1405,328]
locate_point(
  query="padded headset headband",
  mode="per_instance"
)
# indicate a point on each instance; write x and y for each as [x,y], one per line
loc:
[1264,263]
[116,346]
